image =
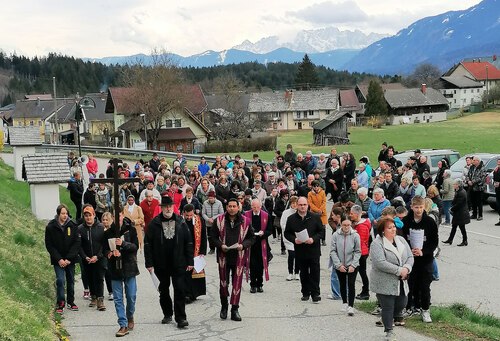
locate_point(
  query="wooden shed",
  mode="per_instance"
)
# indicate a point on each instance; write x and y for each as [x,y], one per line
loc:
[332,130]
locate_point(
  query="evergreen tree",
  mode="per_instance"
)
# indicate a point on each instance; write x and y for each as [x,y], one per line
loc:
[306,77]
[375,101]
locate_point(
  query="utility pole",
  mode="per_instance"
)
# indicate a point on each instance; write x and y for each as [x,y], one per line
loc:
[56,137]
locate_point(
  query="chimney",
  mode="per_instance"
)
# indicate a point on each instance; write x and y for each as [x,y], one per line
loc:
[424,89]
[38,101]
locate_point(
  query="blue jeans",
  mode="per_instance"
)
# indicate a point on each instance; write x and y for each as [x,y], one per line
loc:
[130,294]
[435,270]
[65,275]
[446,209]
[334,283]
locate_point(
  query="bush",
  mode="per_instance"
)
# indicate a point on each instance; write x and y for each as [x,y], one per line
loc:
[242,145]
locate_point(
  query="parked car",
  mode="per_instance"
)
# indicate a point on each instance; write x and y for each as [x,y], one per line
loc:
[489,162]
[433,157]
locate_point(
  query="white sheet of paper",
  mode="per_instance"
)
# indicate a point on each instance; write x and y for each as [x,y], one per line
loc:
[156,281]
[112,244]
[199,264]
[416,239]
[302,235]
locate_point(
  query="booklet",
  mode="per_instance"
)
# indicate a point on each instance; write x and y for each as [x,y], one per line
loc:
[199,264]
[112,244]
[302,235]
[416,239]
[156,281]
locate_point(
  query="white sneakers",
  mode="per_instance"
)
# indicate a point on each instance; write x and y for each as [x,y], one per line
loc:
[344,307]
[297,277]
[426,316]
[350,311]
[389,336]
[289,277]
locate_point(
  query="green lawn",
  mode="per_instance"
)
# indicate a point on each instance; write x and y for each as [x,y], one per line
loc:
[27,293]
[474,133]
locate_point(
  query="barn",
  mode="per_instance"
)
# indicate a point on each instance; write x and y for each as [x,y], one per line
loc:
[332,130]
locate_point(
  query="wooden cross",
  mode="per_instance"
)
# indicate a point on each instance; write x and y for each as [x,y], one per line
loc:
[116,181]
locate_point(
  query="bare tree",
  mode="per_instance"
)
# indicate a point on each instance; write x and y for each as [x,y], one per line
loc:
[157,92]
[424,74]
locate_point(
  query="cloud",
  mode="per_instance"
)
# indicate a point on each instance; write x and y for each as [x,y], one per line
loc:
[329,12]
[184,13]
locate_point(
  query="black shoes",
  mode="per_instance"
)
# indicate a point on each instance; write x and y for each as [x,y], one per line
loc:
[447,242]
[363,296]
[182,324]
[323,243]
[283,252]
[253,290]
[223,313]
[166,319]
[464,243]
[235,315]
[259,289]
[316,299]
[211,252]
[473,216]
[305,298]
[479,218]
[498,224]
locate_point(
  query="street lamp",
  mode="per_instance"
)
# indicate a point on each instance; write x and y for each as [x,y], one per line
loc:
[83,103]
[145,129]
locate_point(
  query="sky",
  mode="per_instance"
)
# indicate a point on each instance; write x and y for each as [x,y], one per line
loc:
[97,29]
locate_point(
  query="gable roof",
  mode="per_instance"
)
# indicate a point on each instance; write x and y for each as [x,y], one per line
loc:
[293,101]
[118,99]
[405,98]
[67,113]
[349,99]
[25,136]
[46,168]
[216,102]
[39,109]
[462,82]
[196,103]
[363,87]
[478,70]
[330,119]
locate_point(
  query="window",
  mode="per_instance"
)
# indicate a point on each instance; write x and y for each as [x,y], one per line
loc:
[299,115]
[168,123]
[32,123]
[477,90]
[310,113]
[276,115]
[455,92]
[455,101]
[177,123]
[465,91]
[173,123]
[311,124]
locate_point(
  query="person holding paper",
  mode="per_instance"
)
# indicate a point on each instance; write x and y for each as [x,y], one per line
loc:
[195,281]
[123,270]
[308,253]
[168,251]
[420,279]
[263,228]
[232,235]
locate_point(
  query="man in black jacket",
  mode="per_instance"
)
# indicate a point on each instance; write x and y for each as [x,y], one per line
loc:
[63,243]
[496,185]
[75,187]
[122,265]
[390,187]
[168,250]
[422,247]
[308,252]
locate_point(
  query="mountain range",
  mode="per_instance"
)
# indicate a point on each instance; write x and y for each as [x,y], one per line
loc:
[442,40]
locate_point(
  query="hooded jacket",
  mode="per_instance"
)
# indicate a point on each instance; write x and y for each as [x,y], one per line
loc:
[363,227]
[62,241]
[126,265]
[92,238]
[345,249]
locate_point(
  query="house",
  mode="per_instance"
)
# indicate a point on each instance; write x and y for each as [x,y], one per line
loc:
[349,102]
[6,119]
[478,70]
[181,129]
[418,105]
[219,106]
[332,130]
[461,91]
[361,91]
[290,110]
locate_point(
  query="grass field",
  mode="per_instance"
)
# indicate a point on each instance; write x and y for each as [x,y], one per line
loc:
[473,133]
[27,293]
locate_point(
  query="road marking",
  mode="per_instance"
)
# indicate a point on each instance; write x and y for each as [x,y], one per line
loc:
[473,232]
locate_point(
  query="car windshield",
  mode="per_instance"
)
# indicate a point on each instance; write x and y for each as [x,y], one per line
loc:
[489,161]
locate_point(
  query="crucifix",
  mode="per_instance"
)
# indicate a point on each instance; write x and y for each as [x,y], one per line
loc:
[116,182]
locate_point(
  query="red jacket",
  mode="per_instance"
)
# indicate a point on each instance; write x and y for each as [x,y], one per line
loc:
[176,198]
[363,228]
[92,166]
[150,211]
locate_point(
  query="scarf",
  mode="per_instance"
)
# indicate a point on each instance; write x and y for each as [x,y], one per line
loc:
[379,201]
[131,208]
[197,229]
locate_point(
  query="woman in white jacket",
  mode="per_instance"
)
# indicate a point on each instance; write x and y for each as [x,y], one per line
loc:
[293,269]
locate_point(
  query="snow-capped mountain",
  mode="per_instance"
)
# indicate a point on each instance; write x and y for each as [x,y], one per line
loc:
[442,40]
[313,41]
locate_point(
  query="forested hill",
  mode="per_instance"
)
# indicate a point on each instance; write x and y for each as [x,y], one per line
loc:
[34,75]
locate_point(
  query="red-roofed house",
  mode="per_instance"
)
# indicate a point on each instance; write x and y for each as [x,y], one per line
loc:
[349,103]
[480,71]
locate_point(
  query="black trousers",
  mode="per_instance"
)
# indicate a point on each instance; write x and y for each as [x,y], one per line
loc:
[420,286]
[177,280]
[347,282]
[95,276]
[256,267]
[230,274]
[291,260]
[392,307]
[309,276]
[78,206]
[497,192]
[362,273]
[477,203]
[454,230]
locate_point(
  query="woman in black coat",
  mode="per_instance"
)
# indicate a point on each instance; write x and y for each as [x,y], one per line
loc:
[334,180]
[460,211]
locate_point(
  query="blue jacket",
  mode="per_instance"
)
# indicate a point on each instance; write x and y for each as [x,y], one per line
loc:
[203,168]
[375,210]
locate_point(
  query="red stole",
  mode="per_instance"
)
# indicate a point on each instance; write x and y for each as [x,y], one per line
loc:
[263,226]
[241,262]
[197,229]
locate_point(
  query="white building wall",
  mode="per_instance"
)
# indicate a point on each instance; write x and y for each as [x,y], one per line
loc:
[462,97]
[420,118]
[44,200]
[19,152]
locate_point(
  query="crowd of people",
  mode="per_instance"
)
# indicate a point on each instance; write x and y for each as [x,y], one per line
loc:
[178,214]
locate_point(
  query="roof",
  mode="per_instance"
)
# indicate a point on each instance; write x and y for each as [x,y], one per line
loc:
[133,124]
[174,134]
[240,103]
[46,168]
[118,100]
[478,70]
[328,120]
[196,102]
[405,98]
[462,82]
[293,101]
[91,114]
[25,136]
[39,109]
[385,86]
[7,111]
[349,99]
[42,97]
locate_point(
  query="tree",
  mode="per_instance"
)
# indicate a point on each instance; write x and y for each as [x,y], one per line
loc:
[424,74]
[375,101]
[306,77]
[156,92]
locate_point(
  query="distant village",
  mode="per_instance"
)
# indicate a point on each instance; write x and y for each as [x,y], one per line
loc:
[326,112]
